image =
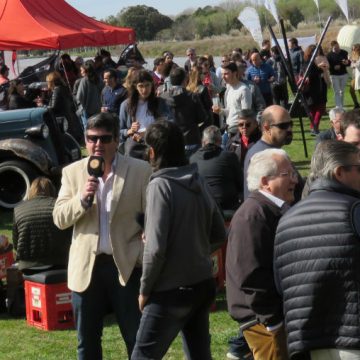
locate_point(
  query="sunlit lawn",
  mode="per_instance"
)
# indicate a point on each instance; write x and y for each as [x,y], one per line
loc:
[19,341]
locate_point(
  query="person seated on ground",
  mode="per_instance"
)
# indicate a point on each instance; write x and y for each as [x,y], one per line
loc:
[336,116]
[16,96]
[248,134]
[220,169]
[113,94]
[39,244]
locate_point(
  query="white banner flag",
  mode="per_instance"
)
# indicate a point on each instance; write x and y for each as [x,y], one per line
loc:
[317,3]
[250,19]
[270,5]
[343,4]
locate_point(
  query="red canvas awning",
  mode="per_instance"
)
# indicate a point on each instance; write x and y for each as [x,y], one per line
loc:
[54,24]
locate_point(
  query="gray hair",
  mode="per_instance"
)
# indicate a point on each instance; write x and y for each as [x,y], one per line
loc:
[329,155]
[263,164]
[333,112]
[211,135]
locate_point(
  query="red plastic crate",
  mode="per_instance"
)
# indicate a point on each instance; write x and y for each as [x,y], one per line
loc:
[48,306]
[6,260]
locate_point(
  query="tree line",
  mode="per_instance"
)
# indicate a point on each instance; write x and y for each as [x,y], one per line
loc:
[150,24]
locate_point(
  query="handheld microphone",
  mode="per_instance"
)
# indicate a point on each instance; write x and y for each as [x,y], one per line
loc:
[96,167]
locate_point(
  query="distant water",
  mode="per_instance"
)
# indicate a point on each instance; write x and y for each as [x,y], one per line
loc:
[24,63]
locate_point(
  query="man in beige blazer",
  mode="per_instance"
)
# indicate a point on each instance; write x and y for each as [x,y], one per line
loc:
[106,251]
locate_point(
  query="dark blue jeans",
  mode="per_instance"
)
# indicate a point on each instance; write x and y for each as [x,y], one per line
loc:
[184,309]
[103,295]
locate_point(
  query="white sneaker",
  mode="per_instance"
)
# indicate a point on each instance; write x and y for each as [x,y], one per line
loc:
[231,356]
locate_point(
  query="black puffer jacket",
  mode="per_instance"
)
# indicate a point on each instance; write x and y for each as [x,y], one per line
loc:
[37,241]
[317,268]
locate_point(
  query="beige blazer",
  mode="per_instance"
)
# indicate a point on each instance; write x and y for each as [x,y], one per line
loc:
[129,193]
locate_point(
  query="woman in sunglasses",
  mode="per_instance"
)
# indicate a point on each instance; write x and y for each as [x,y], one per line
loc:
[141,109]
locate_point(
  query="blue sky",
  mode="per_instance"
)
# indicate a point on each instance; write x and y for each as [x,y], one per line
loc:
[103,8]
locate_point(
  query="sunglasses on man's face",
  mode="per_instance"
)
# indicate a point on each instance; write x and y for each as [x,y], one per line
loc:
[104,139]
[283,126]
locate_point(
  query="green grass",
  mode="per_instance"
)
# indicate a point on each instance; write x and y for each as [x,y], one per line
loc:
[20,341]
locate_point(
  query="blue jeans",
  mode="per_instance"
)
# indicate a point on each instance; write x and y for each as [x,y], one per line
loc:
[184,309]
[103,295]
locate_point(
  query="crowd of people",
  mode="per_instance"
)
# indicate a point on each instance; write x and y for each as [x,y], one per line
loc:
[143,231]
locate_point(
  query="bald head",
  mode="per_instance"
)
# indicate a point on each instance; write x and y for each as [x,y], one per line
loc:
[276,126]
[255,59]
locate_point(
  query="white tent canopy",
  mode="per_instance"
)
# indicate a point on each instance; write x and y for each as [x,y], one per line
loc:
[348,35]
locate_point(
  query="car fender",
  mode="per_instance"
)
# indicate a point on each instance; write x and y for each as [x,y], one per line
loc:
[26,150]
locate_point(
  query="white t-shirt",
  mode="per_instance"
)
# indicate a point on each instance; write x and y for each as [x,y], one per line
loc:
[143,116]
[237,98]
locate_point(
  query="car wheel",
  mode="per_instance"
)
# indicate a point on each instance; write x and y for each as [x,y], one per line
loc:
[15,180]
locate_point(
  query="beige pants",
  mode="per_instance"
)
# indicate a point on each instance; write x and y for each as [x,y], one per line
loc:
[266,345]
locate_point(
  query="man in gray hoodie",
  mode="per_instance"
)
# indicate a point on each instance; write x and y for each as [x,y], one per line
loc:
[182,224]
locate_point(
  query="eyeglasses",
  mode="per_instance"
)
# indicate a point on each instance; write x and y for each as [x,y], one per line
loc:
[291,174]
[247,125]
[283,126]
[104,139]
[191,54]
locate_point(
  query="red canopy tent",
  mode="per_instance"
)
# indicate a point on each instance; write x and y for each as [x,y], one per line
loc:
[54,24]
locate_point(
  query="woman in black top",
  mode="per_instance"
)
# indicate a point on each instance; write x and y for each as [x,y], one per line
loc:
[16,96]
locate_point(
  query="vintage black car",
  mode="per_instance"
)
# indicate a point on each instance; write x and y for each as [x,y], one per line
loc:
[33,142]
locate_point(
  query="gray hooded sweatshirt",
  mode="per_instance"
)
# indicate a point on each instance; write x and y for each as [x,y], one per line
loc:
[182,221]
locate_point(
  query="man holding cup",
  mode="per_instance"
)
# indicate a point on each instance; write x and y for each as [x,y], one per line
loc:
[237,97]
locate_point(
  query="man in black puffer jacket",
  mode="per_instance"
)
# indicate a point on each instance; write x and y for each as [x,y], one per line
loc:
[317,259]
